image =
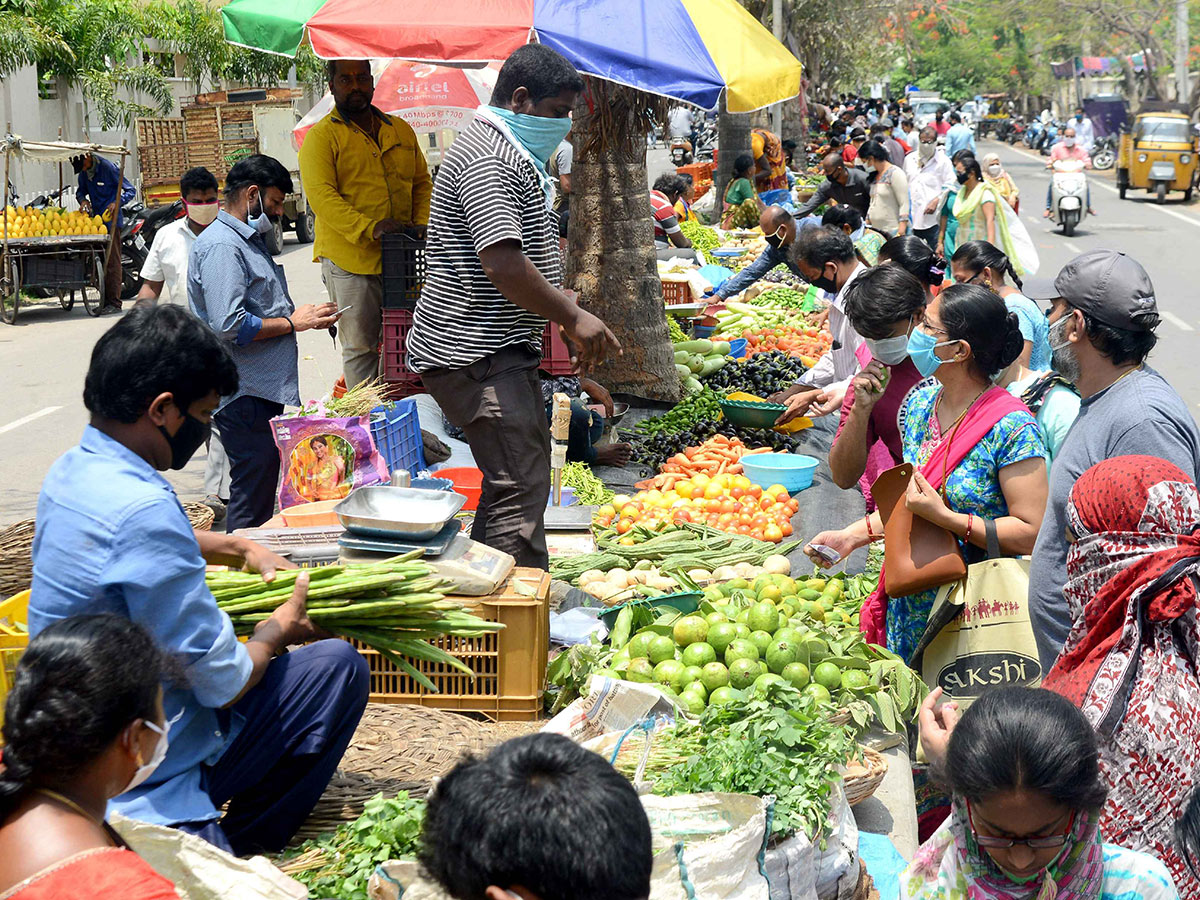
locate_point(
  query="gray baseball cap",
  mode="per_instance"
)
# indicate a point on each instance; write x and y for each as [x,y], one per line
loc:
[1112,287]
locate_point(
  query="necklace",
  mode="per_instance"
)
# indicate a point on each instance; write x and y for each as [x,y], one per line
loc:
[950,438]
[1121,376]
[71,804]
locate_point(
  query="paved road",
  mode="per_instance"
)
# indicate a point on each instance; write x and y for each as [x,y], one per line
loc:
[44,357]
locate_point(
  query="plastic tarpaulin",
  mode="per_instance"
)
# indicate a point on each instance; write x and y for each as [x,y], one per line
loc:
[53,151]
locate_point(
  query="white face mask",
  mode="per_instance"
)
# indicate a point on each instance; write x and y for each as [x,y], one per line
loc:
[203,213]
[889,351]
[262,222]
[147,768]
[924,151]
[1069,141]
[994,169]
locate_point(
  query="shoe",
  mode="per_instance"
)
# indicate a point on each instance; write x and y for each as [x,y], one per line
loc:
[1046,214]
[217,505]
[110,309]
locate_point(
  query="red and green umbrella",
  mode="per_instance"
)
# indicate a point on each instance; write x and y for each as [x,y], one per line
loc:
[688,50]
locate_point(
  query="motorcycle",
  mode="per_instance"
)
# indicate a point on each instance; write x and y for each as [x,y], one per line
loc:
[1104,152]
[1068,194]
[706,141]
[1013,131]
[139,225]
[1032,135]
[681,151]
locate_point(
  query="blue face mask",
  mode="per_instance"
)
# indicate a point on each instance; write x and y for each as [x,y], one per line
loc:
[921,346]
[262,222]
[538,134]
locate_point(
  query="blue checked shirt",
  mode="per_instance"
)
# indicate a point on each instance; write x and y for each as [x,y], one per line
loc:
[112,538]
[233,284]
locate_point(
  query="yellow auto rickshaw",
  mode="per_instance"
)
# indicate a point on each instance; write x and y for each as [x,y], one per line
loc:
[1158,154]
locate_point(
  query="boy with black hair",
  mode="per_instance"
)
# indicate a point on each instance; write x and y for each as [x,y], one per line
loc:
[538,818]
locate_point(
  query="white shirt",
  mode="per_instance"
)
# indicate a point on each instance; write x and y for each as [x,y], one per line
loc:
[1085,134]
[168,259]
[926,182]
[837,367]
[680,121]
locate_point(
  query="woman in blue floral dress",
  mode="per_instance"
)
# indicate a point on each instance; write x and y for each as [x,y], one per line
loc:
[967,336]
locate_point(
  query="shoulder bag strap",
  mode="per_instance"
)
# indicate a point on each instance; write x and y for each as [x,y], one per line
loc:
[993,539]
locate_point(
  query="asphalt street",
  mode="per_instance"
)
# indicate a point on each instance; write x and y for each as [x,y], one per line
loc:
[43,358]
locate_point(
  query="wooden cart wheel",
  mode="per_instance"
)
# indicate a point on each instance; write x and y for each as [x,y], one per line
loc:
[10,290]
[93,307]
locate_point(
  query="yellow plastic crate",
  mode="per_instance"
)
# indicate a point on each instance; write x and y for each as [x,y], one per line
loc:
[14,638]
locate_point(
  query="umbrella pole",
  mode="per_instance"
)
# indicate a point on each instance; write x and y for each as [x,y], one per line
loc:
[114,232]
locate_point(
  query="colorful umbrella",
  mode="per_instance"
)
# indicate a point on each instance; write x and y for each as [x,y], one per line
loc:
[688,50]
[429,98]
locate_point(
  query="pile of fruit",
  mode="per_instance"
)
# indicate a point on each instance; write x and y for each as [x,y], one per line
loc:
[781,298]
[719,455]
[23,222]
[805,342]
[729,503]
[739,316]
[762,374]
[656,448]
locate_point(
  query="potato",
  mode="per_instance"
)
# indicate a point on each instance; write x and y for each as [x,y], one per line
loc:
[591,575]
[724,573]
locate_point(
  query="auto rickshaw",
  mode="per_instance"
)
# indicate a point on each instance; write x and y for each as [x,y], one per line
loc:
[1158,153]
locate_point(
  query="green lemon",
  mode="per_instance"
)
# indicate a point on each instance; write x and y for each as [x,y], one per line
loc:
[796,674]
[661,648]
[828,675]
[699,654]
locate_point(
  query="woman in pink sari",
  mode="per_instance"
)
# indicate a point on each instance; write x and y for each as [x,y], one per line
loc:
[83,723]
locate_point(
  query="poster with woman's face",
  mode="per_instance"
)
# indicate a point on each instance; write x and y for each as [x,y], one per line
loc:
[321,467]
[325,458]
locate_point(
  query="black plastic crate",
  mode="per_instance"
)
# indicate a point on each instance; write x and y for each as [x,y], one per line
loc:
[403,270]
[68,271]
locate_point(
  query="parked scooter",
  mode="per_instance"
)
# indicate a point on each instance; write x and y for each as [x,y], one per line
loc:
[1104,152]
[681,151]
[1032,136]
[1049,137]
[138,227]
[1068,194]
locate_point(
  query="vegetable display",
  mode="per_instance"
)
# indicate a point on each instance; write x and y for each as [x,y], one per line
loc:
[716,456]
[739,316]
[394,606]
[338,866]
[779,298]
[655,449]
[762,374]
[702,237]
[674,332]
[699,358]
[781,274]
[589,490]
[699,407]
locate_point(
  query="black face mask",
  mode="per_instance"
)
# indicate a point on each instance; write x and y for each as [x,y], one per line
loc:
[774,240]
[826,284]
[963,176]
[187,440]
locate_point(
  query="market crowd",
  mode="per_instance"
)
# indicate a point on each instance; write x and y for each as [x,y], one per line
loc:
[1032,426]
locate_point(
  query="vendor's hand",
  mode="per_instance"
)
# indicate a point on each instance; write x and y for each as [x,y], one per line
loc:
[827,402]
[600,394]
[315,315]
[259,559]
[590,341]
[111,211]
[295,627]
[386,226]
[936,725]
[797,405]
[868,385]
[786,394]
[819,320]
[841,541]
[85,206]
[941,250]
[922,500]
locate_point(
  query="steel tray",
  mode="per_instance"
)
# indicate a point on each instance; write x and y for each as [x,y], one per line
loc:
[393,512]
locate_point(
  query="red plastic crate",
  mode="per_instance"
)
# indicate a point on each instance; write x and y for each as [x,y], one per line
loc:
[556,357]
[676,292]
[400,381]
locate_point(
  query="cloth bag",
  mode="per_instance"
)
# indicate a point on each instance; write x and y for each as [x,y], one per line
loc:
[979,634]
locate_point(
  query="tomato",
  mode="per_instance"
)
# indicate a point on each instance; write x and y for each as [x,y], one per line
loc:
[766,502]
[759,521]
[773,533]
[736,493]
[630,510]
[685,489]
[606,510]
[682,515]
[728,506]
[786,529]
[624,526]
[743,529]
[754,491]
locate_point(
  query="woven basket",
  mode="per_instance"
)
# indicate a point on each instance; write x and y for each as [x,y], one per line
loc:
[16,558]
[861,780]
[199,515]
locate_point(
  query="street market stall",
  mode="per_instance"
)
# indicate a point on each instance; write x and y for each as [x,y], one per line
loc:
[49,248]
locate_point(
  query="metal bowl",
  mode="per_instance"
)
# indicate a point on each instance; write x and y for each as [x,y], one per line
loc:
[619,410]
[391,512]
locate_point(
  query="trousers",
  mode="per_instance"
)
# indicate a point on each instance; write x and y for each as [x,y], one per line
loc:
[298,722]
[360,328]
[216,469]
[928,235]
[497,402]
[245,428]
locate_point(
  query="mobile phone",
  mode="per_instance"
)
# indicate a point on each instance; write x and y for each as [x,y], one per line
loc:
[344,310]
[826,553]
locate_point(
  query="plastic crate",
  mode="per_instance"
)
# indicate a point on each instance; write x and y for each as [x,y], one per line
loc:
[556,356]
[400,381]
[55,270]
[397,436]
[676,292]
[403,270]
[702,171]
[14,638]
[509,666]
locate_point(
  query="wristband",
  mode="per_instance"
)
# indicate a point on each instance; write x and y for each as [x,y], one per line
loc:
[870,533]
[291,323]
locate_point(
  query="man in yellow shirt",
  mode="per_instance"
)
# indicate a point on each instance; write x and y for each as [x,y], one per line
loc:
[365,176]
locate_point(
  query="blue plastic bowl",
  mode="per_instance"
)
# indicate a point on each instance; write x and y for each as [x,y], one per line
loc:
[702,331]
[737,348]
[794,471]
[433,484]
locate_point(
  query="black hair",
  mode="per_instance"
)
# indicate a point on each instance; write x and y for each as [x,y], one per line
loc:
[542,813]
[1120,345]
[879,128]
[320,439]
[670,183]
[874,150]
[80,683]
[78,161]
[857,134]
[541,70]
[789,145]
[978,316]
[742,165]
[842,214]
[152,350]
[197,179]
[688,180]
[820,246]
[926,128]
[836,141]
[837,128]
[969,162]
[1027,738]
[882,296]
[955,117]
[264,171]
[912,254]
[332,64]
[980,255]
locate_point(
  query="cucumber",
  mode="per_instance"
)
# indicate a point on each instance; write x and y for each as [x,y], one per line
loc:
[684,371]
[681,357]
[722,347]
[712,364]
[695,363]
[701,346]
[692,385]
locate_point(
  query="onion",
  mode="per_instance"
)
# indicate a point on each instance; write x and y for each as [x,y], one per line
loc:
[724,573]
[777,565]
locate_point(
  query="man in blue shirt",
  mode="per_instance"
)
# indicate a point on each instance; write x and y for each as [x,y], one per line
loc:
[102,191]
[959,137]
[781,229]
[236,287]
[258,731]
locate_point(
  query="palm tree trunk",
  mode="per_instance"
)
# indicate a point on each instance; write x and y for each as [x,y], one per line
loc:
[611,262]
[733,139]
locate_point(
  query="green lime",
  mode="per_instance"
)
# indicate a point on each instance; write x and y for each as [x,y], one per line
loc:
[743,617]
[740,649]
[854,679]
[692,675]
[818,693]
[716,618]
[690,630]
[808,594]
[723,695]
[721,635]
[692,702]
[780,654]
[743,672]
[761,641]
[828,675]
[714,676]
[796,674]
[661,647]
[669,671]
[699,654]
[786,610]
[762,682]
[787,585]
[743,630]
[763,616]
[737,584]
[608,673]
[640,645]
[697,687]
[788,633]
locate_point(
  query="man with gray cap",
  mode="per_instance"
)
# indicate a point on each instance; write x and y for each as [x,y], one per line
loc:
[1102,320]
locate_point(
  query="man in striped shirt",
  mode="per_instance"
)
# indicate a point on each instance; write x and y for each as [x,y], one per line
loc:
[493,278]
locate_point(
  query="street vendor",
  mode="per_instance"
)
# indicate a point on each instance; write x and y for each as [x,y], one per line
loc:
[248,727]
[102,191]
[493,278]
[781,229]
[667,190]
[365,176]
[842,184]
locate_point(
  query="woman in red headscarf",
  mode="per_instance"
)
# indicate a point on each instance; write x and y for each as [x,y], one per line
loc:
[1130,662]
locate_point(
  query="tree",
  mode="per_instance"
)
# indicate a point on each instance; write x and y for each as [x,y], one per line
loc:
[733,139]
[611,263]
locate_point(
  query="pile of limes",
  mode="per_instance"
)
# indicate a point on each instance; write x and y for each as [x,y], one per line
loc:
[25,222]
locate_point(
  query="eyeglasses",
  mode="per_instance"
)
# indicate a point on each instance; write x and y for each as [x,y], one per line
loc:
[1048,842]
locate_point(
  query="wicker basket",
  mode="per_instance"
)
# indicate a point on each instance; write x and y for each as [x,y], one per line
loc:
[861,780]
[200,516]
[16,558]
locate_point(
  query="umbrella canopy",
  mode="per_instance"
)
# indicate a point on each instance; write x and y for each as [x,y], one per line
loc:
[429,98]
[688,50]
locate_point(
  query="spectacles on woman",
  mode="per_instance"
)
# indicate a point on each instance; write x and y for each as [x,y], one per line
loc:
[1047,842]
